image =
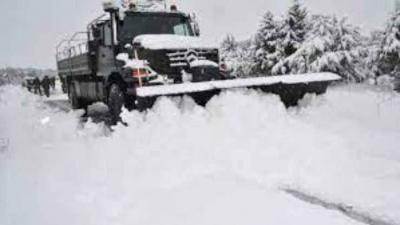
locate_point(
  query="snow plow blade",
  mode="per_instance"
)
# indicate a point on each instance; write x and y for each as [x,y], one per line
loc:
[290,88]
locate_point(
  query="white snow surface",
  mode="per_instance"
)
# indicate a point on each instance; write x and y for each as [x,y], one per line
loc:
[182,164]
[170,41]
[236,83]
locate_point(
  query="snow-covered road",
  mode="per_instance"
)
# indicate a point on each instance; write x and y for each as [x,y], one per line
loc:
[183,164]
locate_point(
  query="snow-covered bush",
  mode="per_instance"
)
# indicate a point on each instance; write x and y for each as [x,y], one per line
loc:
[370,54]
[385,81]
[229,44]
[238,56]
[389,55]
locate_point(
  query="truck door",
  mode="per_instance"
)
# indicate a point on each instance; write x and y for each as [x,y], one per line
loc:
[106,61]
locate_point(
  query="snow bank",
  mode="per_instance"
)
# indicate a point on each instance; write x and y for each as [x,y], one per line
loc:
[168,41]
[183,164]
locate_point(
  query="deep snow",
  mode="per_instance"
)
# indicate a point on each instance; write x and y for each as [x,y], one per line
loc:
[183,164]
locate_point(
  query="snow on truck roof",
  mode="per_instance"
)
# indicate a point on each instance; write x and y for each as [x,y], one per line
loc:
[155,11]
[143,7]
[169,41]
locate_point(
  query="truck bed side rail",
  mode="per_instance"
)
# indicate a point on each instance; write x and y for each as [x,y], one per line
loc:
[72,55]
[76,45]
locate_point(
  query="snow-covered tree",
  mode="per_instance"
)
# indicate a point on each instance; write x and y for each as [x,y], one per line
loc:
[389,57]
[331,45]
[238,56]
[229,44]
[268,44]
[294,28]
[299,43]
[370,54]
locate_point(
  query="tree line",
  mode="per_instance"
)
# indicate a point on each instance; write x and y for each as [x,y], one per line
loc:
[12,75]
[300,42]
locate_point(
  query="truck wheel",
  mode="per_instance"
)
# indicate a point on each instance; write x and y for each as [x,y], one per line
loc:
[115,102]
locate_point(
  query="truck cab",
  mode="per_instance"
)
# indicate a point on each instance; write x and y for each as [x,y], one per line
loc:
[166,42]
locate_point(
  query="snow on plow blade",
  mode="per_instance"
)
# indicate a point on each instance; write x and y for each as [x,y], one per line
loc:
[290,88]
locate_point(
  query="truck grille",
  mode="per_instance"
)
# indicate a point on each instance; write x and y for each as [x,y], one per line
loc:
[181,58]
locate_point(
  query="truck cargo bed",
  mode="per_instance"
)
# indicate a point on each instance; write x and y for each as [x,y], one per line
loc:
[75,66]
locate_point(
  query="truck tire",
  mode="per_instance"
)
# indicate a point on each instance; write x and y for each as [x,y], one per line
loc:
[115,102]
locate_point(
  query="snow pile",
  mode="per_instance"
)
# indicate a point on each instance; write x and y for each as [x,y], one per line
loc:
[180,163]
[168,41]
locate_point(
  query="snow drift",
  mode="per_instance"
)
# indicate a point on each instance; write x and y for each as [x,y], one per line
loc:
[183,164]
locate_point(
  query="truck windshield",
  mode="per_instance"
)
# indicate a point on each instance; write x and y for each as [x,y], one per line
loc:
[138,24]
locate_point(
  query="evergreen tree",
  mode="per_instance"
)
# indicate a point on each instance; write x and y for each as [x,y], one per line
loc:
[268,48]
[389,57]
[331,45]
[295,28]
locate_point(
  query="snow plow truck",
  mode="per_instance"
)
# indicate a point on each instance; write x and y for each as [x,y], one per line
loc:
[131,56]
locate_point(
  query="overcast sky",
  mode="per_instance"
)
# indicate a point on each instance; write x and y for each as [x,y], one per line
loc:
[30,29]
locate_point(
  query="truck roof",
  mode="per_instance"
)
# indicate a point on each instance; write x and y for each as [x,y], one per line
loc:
[163,13]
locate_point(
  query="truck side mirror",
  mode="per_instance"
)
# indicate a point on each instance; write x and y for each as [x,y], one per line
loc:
[196,29]
[195,24]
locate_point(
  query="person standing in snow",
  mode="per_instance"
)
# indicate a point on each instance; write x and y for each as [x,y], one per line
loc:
[36,86]
[46,85]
